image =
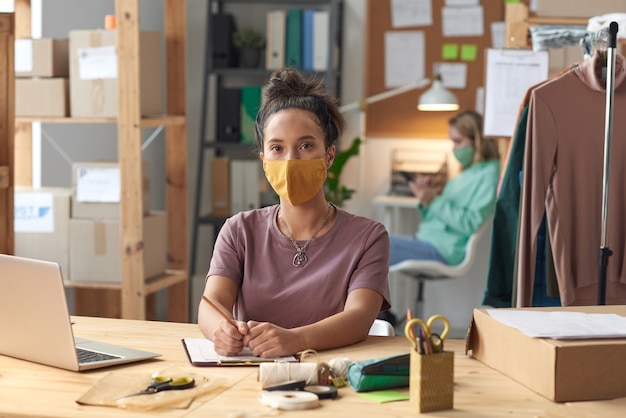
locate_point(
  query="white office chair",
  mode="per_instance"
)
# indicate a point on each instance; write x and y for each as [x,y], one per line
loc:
[383,328]
[473,266]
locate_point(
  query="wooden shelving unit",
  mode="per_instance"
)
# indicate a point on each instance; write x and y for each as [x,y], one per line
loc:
[7,110]
[132,294]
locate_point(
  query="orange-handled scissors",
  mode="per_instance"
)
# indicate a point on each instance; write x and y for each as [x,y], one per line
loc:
[424,338]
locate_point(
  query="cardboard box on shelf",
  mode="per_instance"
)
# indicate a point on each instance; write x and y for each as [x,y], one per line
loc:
[93,73]
[560,370]
[96,189]
[569,8]
[41,224]
[95,248]
[44,57]
[42,97]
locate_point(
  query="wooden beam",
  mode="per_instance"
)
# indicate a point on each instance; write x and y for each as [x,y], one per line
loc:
[129,157]
[7,134]
[176,156]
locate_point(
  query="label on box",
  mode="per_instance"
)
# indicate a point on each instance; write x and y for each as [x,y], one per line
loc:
[23,55]
[97,63]
[34,212]
[98,185]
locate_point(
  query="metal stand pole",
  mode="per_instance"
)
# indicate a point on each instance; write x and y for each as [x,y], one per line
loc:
[605,252]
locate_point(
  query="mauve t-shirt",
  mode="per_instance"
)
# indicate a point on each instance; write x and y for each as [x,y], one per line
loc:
[251,250]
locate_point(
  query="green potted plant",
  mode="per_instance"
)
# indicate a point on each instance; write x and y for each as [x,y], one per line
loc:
[335,192]
[250,43]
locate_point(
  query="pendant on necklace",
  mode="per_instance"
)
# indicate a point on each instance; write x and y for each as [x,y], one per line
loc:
[300,259]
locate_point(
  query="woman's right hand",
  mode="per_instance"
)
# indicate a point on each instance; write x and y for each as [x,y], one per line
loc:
[228,339]
[422,188]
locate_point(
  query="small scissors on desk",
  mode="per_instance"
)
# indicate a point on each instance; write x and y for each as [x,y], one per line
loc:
[161,383]
[424,338]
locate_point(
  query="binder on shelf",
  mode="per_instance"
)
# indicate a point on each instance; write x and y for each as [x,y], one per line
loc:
[250,102]
[224,52]
[321,26]
[228,109]
[275,39]
[220,187]
[293,37]
[244,185]
[307,39]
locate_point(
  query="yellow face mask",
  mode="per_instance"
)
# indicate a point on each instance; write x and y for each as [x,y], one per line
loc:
[296,181]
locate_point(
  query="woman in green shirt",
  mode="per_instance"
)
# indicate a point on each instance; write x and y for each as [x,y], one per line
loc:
[450,216]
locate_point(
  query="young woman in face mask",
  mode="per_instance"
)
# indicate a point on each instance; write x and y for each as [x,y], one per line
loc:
[302,274]
[451,215]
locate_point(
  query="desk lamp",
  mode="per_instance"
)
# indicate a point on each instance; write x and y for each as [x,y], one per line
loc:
[437,98]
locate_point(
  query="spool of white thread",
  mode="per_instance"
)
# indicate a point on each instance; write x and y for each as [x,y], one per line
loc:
[289,400]
[339,366]
[271,374]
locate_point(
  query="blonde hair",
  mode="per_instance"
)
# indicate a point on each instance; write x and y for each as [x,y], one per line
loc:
[470,124]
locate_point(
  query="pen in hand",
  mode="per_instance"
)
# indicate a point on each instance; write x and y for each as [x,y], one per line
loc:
[220,310]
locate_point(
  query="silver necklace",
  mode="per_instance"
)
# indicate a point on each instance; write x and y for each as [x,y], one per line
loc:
[301,258]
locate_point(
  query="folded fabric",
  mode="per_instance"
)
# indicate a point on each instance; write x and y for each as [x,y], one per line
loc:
[380,373]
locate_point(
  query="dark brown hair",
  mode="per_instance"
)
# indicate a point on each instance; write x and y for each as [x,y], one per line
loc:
[288,89]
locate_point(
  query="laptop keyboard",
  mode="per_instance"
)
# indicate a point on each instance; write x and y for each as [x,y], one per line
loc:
[86,356]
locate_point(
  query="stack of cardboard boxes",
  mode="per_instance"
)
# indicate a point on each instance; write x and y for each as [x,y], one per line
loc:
[78,76]
[79,227]
[41,83]
[94,229]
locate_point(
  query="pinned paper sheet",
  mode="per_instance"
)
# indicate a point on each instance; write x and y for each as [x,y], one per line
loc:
[462,21]
[469,52]
[450,52]
[407,13]
[402,68]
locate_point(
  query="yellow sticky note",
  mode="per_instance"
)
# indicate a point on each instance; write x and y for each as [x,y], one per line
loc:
[469,52]
[450,51]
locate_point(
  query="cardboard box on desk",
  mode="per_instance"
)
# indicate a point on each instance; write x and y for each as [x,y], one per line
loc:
[560,370]
[42,219]
[44,57]
[97,189]
[42,97]
[93,73]
[95,248]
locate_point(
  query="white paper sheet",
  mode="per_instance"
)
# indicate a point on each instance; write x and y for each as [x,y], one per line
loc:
[34,212]
[562,325]
[461,2]
[404,58]
[498,30]
[453,75]
[509,74]
[23,55]
[462,21]
[407,13]
[97,63]
[98,185]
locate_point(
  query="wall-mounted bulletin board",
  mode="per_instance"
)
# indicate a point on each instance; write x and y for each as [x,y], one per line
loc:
[398,117]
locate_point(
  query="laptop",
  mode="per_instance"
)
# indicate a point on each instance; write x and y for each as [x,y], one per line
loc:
[35,322]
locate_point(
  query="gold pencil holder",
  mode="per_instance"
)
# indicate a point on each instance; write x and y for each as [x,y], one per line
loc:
[431,384]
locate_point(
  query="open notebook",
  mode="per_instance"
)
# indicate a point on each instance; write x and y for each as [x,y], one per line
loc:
[202,353]
[35,323]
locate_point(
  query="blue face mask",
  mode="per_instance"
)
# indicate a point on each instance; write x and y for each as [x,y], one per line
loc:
[464,155]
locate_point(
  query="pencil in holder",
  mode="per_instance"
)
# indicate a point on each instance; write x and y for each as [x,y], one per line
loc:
[431,383]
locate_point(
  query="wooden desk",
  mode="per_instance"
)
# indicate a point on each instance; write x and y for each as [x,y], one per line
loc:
[36,390]
[398,213]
